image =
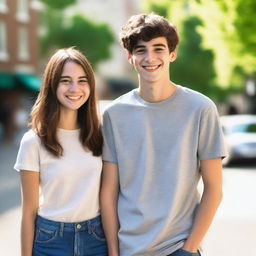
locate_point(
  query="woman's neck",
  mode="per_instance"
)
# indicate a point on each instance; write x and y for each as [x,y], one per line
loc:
[68,120]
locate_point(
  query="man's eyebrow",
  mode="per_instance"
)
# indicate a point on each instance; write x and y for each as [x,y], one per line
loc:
[139,46]
[143,46]
[161,45]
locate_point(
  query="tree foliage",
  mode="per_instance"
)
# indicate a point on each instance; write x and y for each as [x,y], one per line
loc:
[245,24]
[194,65]
[58,4]
[94,39]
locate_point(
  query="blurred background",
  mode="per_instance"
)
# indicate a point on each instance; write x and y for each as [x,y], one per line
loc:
[216,56]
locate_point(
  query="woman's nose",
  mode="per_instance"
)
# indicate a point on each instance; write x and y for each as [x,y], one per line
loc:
[73,86]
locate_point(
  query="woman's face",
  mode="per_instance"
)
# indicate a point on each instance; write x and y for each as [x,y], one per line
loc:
[73,89]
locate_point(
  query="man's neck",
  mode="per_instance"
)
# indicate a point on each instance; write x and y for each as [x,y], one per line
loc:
[156,92]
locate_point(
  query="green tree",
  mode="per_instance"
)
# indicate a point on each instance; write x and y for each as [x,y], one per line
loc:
[156,6]
[58,4]
[94,39]
[194,65]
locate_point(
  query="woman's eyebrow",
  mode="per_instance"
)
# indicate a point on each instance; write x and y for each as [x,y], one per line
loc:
[71,77]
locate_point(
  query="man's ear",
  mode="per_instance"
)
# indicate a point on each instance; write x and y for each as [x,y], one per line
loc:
[129,57]
[173,55]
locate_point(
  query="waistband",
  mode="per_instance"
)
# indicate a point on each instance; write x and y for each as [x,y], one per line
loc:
[68,226]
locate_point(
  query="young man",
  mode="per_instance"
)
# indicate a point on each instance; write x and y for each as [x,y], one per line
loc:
[159,140]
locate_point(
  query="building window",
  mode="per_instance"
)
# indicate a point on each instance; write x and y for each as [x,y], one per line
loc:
[22,11]
[23,47]
[3,6]
[3,43]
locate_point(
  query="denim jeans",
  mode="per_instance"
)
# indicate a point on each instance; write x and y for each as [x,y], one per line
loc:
[69,239]
[182,252]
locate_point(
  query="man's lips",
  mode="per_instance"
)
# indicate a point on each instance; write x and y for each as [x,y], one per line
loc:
[151,67]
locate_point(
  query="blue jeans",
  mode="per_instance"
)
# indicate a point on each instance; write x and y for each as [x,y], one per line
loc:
[182,252]
[54,238]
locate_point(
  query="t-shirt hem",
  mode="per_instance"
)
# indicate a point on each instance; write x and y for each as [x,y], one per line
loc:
[19,168]
[106,159]
[207,157]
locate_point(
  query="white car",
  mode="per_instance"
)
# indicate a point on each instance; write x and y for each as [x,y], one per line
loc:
[240,136]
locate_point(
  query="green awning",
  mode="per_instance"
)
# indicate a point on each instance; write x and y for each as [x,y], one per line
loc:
[29,81]
[7,81]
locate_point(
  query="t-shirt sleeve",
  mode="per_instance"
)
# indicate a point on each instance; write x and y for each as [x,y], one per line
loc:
[211,140]
[28,154]
[109,149]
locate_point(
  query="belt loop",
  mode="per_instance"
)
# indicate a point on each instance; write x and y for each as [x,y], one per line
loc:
[90,228]
[61,229]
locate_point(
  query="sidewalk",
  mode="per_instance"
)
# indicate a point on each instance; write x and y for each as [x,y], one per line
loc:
[9,201]
[10,232]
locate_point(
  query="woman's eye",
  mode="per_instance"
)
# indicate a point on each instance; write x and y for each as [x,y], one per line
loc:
[64,81]
[83,81]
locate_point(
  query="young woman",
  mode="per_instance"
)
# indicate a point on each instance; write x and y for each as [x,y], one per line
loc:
[60,163]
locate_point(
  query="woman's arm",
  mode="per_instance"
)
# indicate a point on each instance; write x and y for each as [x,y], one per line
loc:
[211,170]
[30,201]
[108,200]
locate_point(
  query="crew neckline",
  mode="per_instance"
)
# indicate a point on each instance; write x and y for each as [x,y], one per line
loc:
[68,131]
[144,102]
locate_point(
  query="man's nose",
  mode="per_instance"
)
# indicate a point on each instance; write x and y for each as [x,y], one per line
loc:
[149,56]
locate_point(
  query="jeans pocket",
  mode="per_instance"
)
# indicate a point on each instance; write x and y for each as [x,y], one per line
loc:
[44,235]
[187,253]
[98,232]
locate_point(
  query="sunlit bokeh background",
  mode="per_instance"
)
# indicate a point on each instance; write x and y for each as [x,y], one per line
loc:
[216,56]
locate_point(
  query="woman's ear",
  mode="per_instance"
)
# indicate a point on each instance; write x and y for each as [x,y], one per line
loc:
[173,55]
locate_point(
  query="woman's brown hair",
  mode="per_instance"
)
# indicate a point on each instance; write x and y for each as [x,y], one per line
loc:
[45,113]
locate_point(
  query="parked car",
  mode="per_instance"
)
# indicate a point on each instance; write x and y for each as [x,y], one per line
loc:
[240,136]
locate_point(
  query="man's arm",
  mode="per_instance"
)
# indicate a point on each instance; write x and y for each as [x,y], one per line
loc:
[211,171]
[108,201]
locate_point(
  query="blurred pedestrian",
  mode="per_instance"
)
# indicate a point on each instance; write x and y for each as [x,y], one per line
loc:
[158,140]
[60,163]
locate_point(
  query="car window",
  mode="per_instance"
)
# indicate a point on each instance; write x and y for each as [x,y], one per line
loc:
[248,128]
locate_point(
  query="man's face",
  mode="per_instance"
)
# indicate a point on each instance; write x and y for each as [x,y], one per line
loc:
[151,59]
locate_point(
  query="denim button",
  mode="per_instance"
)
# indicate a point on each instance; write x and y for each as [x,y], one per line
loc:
[78,226]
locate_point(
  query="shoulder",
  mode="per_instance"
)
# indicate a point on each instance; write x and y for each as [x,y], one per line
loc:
[196,98]
[30,138]
[121,103]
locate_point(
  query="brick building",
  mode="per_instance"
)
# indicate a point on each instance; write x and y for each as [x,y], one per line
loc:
[18,58]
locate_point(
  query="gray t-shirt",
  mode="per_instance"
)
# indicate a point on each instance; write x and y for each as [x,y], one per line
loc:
[157,147]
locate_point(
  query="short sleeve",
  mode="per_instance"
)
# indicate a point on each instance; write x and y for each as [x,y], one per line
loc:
[109,149]
[211,140]
[28,154]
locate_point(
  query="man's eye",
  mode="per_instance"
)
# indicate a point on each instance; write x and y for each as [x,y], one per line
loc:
[159,49]
[139,51]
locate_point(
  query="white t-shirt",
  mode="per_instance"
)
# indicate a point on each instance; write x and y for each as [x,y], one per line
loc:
[69,185]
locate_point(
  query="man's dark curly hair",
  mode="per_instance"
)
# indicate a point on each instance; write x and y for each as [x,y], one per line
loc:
[146,27]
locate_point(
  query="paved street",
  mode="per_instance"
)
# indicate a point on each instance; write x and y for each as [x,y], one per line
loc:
[233,232]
